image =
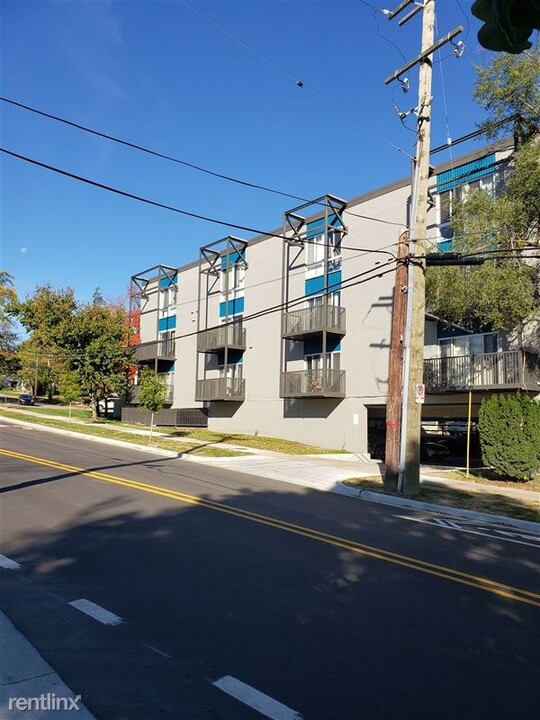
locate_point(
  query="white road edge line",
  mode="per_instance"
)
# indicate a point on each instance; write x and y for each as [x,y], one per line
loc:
[8,564]
[254,699]
[493,536]
[96,612]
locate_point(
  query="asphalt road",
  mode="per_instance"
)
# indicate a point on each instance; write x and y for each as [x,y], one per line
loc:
[335,609]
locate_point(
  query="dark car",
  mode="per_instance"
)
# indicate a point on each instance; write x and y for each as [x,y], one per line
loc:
[26,399]
[430,446]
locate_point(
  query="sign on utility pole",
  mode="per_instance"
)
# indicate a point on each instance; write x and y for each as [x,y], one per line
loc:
[413,362]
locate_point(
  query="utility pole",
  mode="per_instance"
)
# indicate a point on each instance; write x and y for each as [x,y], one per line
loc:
[413,365]
[395,369]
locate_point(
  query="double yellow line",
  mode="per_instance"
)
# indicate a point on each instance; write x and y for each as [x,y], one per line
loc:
[481,583]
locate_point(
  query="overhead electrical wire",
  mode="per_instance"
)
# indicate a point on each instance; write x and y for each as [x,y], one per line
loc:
[375,271]
[154,203]
[299,83]
[155,153]
[302,271]
[170,158]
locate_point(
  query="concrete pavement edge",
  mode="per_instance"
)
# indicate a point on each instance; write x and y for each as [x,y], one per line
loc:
[30,689]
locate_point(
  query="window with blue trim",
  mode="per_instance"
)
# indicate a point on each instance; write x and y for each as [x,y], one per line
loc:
[453,187]
[167,300]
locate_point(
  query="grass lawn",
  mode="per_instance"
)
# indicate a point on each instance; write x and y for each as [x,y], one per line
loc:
[467,499]
[255,442]
[102,429]
[258,442]
[485,476]
[76,412]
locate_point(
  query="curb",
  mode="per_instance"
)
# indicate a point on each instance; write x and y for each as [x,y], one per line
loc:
[95,438]
[375,497]
[28,675]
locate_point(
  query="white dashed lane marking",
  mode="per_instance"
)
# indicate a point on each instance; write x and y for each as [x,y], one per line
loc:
[96,611]
[264,704]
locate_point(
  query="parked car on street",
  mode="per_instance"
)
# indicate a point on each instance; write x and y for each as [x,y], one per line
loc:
[26,399]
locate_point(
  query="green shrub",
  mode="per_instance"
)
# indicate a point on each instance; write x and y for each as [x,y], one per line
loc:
[509,428]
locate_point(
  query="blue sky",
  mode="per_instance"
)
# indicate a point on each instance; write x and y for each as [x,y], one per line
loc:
[158,74]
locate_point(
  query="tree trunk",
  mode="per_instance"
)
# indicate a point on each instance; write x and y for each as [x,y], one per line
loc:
[69,416]
[151,424]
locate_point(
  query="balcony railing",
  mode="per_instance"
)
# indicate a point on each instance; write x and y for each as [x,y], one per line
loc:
[230,336]
[313,383]
[155,350]
[487,371]
[308,321]
[220,389]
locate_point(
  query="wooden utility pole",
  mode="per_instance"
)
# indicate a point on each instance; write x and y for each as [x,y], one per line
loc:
[395,370]
[413,362]
[410,480]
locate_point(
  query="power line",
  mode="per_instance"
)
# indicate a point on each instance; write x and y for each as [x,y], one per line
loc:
[154,203]
[375,271]
[170,158]
[155,153]
[344,260]
[299,83]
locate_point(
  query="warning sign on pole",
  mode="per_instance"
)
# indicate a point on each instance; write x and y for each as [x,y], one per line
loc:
[420,394]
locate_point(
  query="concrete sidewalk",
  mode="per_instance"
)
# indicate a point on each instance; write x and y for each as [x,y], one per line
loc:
[29,687]
[320,472]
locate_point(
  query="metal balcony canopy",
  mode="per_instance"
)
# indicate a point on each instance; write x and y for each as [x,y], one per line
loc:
[141,280]
[295,221]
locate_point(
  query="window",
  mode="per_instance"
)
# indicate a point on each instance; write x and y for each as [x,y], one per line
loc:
[315,251]
[167,300]
[233,278]
[333,299]
[463,345]
[166,340]
[234,370]
[449,199]
[334,251]
[315,362]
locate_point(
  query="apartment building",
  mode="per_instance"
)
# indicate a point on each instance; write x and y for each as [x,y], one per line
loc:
[288,334]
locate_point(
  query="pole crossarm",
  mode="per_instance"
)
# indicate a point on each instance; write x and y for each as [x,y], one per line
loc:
[424,55]
[400,8]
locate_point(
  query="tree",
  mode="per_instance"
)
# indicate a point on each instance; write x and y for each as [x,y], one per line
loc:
[90,339]
[95,343]
[44,313]
[70,389]
[9,363]
[152,393]
[97,297]
[509,427]
[502,293]
[508,88]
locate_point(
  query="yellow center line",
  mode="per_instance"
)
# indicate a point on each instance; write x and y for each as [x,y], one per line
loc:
[447,573]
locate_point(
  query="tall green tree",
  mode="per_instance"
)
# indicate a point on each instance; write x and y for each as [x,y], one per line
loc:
[95,343]
[502,293]
[43,313]
[508,87]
